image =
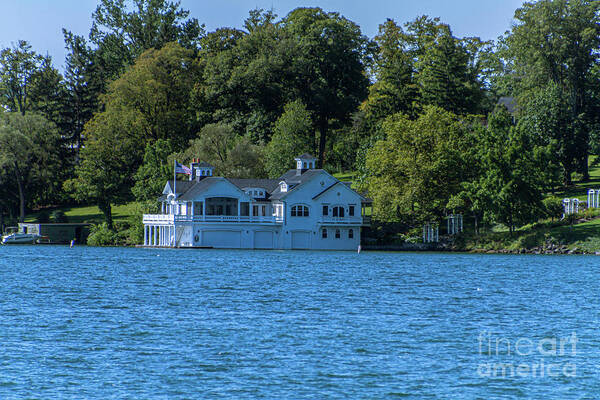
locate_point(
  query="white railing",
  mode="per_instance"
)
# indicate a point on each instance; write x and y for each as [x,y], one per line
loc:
[341,220]
[170,219]
[158,218]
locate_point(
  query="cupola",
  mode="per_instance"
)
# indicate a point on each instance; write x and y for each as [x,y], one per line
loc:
[304,163]
[200,169]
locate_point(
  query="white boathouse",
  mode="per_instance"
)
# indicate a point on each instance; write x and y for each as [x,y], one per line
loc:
[306,208]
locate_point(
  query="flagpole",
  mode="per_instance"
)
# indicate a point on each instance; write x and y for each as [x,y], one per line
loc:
[174,183]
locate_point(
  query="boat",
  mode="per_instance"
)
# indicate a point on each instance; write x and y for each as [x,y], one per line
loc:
[20,238]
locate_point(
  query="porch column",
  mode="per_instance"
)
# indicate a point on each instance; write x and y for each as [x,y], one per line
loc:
[155,235]
[145,235]
[204,208]
[239,208]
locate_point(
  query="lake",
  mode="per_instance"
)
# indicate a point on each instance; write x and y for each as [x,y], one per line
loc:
[163,323]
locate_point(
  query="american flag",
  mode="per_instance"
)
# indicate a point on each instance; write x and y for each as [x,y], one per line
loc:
[182,169]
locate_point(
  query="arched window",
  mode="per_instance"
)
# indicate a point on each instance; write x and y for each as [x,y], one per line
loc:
[350,234]
[337,234]
[337,211]
[324,233]
[299,211]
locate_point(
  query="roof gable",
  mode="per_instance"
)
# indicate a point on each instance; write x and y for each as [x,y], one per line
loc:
[339,186]
[221,187]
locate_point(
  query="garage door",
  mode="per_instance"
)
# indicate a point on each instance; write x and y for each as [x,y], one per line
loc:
[263,240]
[300,240]
[222,239]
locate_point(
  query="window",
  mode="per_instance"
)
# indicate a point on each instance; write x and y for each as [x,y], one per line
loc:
[350,233]
[324,233]
[299,211]
[325,210]
[337,234]
[351,210]
[338,212]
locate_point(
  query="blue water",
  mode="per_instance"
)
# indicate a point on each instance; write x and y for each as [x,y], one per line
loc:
[140,323]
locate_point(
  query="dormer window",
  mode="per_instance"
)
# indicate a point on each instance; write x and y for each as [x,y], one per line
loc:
[283,187]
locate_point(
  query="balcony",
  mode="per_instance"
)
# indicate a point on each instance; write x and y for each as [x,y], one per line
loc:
[341,220]
[169,219]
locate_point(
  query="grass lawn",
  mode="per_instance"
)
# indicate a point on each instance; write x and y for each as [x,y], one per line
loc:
[579,189]
[345,176]
[90,213]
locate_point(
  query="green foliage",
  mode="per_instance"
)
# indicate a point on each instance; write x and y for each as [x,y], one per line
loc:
[509,189]
[123,29]
[155,95]
[421,164]
[551,52]
[553,207]
[30,148]
[22,72]
[293,135]
[135,233]
[231,155]
[157,168]
[103,235]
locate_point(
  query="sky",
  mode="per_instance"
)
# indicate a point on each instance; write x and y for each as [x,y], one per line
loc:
[40,22]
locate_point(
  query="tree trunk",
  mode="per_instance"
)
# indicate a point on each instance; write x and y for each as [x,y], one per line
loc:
[585,171]
[476,225]
[323,126]
[106,209]
[567,177]
[21,194]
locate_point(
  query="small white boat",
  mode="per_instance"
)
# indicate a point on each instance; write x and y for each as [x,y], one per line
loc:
[20,238]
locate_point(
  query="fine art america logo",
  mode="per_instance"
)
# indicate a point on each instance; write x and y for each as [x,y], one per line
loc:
[524,357]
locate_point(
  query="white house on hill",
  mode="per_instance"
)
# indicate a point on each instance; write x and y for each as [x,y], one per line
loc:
[306,208]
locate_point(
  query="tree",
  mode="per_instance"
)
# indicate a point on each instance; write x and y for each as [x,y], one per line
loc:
[124,29]
[418,167]
[445,79]
[548,119]
[293,136]
[25,77]
[151,101]
[30,149]
[231,155]
[330,64]
[82,89]
[394,90]
[249,80]
[108,161]
[556,41]
[157,168]
[510,186]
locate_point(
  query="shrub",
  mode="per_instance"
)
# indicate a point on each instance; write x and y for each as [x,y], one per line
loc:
[100,235]
[553,207]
